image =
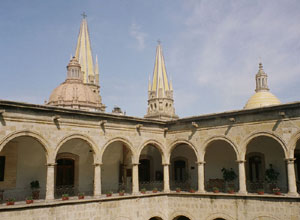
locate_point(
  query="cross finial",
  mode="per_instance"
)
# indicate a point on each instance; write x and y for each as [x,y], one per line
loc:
[158,41]
[84,15]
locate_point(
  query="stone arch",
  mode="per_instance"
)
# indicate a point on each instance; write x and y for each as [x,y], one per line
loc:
[181,141]
[155,214]
[123,140]
[292,144]
[219,215]
[83,137]
[155,143]
[218,138]
[266,217]
[253,135]
[27,133]
[182,213]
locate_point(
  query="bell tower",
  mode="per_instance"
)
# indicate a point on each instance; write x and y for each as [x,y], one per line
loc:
[160,91]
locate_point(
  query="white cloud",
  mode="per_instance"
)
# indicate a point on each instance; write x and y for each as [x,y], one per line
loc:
[138,35]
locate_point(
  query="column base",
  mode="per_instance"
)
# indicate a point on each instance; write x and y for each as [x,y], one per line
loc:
[292,194]
[167,191]
[201,191]
[242,192]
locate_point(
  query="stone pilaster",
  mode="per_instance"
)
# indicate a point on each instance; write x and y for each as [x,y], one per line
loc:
[166,178]
[201,188]
[97,179]
[135,178]
[242,177]
[291,176]
[50,181]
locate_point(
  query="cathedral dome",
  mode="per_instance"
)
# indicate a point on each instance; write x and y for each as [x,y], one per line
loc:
[261,99]
[73,93]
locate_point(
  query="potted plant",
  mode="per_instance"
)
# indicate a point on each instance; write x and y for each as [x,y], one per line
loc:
[192,190]
[143,191]
[121,192]
[276,191]
[81,195]
[155,190]
[35,187]
[260,191]
[216,190]
[65,196]
[229,176]
[271,177]
[230,190]
[29,200]
[10,201]
[109,193]
[178,190]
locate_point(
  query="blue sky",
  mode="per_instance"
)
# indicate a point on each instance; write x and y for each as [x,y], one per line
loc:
[211,48]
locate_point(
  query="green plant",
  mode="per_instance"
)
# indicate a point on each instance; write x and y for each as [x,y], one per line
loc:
[143,190]
[154,190]
[271,175]
[10,200]
[35,185]
[29,198]
[215,189]
[65,195]
[81,194]
[228,175]
[178,189]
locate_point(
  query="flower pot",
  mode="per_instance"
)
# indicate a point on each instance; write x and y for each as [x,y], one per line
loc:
[231,191]
[121,193]
[277,193]
[29,201]
[216,191]
[143,192]
[178,190]
[65,198]
[154,191]
[81,197]
[192,191]
[260,193]
[108,195]
[10,203]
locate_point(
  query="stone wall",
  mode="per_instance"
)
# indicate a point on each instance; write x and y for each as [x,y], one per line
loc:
[167,207]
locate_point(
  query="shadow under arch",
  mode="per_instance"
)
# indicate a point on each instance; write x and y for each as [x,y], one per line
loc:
[254,135]
[26,133]
[118,139]
[219,216]
[174,144]
[210,140]
[157,145]
[85,138]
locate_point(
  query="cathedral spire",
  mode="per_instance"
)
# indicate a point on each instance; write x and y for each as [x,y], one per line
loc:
[84,52]
[160,92]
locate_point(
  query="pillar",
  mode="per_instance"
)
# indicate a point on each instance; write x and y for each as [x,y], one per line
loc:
[135,178]
[201,188]
[50,181]
[291,176]
[242,177]
[166,178]
[97,179]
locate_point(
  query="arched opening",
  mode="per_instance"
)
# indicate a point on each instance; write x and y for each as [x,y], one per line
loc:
[74,172]
[155,218]
[150,168]
[297,164]
[181,217]
[23,161]
[221,168]
[116,168]
[265,165]
[219,219]
[183,169]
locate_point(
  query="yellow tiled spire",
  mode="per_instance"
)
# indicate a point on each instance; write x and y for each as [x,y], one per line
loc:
[84,52]
[160,82]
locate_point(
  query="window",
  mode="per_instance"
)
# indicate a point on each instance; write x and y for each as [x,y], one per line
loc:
[2,167]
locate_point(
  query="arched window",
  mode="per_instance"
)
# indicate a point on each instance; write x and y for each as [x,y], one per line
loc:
[255,167]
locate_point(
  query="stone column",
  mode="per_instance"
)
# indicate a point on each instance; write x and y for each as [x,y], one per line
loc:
[97,179]
[135,178]
[201,188]
[50,181]
[291,176]
[242,177]
[166,178]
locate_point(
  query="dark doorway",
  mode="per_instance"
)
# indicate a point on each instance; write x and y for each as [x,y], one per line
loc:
[181,218]
[144,170]
[180,170]
[256,168]
[65,172]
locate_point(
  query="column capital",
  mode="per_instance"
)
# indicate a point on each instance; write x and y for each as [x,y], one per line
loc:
[166,164]
[51,164]
[97,164]
[290,160]
[241,161]
[135,164]
[200,162]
